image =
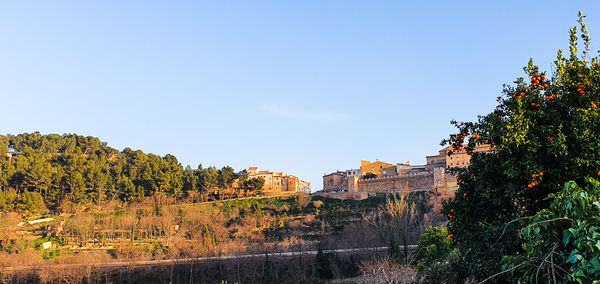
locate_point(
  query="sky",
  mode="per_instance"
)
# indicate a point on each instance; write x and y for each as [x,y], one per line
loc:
[304,87]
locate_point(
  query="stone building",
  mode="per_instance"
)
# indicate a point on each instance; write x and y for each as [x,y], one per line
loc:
[279,181]
[458,158]
[394,178]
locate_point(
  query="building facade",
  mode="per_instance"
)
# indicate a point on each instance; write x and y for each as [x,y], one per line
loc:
[279,181]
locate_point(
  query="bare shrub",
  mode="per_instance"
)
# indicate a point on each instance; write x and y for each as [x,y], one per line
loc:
[308,219]
[295,223]
[386,270]
[27,257]
[291,243]
[74,268]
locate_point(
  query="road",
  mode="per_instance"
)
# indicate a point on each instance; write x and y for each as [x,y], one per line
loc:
[117,264]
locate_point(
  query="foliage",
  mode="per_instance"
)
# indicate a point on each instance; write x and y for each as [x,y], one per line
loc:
[72,170]
[433,250]
[544,132]
[562,243]
[369,176]
[31,202]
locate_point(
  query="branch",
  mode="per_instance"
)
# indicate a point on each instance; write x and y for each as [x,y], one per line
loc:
[544,261]
[551,220]
[502,272]
[505,226]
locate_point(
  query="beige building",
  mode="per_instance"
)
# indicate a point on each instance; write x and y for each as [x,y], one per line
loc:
[279,181]
[458,158]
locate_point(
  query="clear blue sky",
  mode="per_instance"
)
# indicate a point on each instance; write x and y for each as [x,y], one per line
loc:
[305,87]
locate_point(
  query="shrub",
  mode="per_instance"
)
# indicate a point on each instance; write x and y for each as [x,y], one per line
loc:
[562,243]
[433,253]
[387,270]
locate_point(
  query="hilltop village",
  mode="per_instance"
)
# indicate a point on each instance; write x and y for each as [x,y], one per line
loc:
[379,177]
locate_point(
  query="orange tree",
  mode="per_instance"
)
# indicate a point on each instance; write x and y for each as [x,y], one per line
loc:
[544,132]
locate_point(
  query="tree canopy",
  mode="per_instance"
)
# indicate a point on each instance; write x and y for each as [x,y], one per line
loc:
[544,133]
[50,170]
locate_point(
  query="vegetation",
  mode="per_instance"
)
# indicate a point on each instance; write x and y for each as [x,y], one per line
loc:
[544,133]
[562,243]
[156,227]
[434,249]
[71,172]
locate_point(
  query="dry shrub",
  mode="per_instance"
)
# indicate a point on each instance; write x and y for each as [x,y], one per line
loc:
[317,203]
[9,219]
[87,257]
[234,247]
[308,219]
[74,268]
[29,257]
[436,199]
[386,270]
[291,243]
[112,205]
[130,252]
[295,224]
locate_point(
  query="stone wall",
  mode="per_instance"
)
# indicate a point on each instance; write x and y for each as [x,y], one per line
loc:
[398,183]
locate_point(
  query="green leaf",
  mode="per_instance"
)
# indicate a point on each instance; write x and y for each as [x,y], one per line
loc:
[566,237]
[572,257]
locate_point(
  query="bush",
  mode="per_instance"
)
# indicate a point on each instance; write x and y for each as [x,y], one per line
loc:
[562,243]
[433,253]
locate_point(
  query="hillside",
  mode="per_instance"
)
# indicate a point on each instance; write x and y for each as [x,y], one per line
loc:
[72,173]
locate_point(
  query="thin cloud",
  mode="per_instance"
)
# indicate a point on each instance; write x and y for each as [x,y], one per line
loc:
[279,110]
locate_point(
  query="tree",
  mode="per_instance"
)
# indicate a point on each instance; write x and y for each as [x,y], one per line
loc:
[544,132]
[83,169]
[32,202]
[209,178]
[226,176]
[254,184]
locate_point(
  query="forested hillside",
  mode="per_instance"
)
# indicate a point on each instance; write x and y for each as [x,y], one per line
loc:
[40,172]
